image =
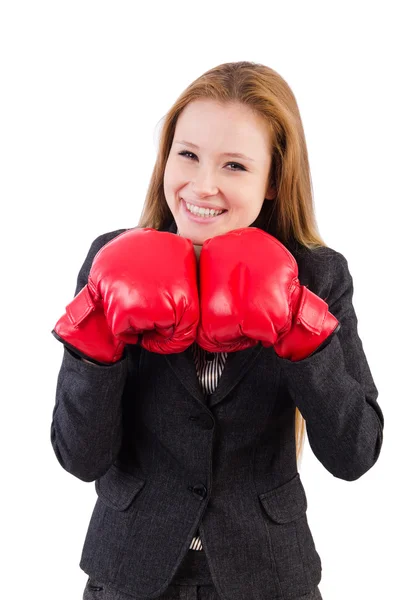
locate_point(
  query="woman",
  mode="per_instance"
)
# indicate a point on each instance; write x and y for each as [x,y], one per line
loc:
[198,346]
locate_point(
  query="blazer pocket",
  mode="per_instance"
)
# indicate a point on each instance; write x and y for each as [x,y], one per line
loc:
[297,563]
[287,502]
[117,489]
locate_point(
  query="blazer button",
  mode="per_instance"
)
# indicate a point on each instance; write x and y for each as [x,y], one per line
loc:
[204,420]
[199,489]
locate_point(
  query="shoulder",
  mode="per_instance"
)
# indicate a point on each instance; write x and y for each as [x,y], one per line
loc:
[104,238]
[319,257]
[324,270]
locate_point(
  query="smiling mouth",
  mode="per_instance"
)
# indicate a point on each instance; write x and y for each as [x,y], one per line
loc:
[201,215]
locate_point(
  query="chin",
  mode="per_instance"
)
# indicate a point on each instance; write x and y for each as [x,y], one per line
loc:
[196,240]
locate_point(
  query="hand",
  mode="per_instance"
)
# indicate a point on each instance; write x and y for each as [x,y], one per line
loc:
[250,292]
[142,288]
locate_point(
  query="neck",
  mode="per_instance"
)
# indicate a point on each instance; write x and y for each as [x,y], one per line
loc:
[197,251]
[197,248]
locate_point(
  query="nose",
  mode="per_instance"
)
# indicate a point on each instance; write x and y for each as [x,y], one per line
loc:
[204,183]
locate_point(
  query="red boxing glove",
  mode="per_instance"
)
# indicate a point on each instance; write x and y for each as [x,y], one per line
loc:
[142,287]
[250,292]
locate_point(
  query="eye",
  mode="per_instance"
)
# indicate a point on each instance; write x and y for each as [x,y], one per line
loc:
[186,152]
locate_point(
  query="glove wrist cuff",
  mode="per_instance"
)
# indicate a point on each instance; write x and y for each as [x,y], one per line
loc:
[84,329]
[311,325]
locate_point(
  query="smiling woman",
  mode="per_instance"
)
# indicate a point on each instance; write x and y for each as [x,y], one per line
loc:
[205,180]
[206,372]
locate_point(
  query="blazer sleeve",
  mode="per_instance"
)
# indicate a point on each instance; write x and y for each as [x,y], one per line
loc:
[86,427]
[334,389]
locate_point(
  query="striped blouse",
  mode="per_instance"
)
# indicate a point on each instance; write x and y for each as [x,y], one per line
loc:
[209,367]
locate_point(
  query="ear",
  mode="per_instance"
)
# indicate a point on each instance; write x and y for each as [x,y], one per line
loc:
[271,193]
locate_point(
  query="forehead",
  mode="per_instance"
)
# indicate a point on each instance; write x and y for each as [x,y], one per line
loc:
[230,127]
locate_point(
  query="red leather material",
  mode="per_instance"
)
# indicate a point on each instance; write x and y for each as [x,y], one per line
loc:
[142,286]
[250,293]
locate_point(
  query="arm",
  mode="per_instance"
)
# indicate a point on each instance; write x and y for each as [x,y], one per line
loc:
[334,389]
[86,428]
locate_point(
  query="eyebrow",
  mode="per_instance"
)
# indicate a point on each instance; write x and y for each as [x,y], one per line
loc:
[234,154]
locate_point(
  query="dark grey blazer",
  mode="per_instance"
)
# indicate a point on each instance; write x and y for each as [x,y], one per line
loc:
[166,459]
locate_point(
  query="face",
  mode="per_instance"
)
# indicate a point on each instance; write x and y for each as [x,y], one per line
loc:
[201,172]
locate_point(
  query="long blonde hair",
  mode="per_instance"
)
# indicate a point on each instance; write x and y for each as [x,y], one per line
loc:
[291,214]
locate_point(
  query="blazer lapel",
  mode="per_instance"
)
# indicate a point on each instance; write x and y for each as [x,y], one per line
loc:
[182,363]
[237,364]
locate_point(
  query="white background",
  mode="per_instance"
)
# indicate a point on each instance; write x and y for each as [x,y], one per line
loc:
[84,86]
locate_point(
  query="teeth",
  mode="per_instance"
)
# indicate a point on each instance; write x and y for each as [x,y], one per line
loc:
[202,212]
